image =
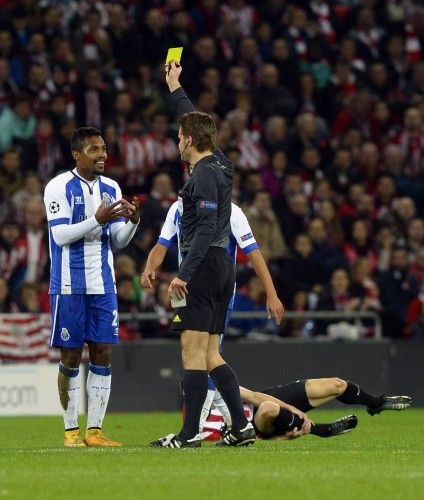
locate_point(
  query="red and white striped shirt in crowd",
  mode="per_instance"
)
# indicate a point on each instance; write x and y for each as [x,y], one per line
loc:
[371,39]
[412,148]
[159,149]
[299,41]
[29,252]
[34,244]
[412,44]
[252,155]
[137,159]
[246,17]
[322,12]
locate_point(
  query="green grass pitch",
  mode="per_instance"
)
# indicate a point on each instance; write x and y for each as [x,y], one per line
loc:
[382,458]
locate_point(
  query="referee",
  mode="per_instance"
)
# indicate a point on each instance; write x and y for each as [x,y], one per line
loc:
[203,287]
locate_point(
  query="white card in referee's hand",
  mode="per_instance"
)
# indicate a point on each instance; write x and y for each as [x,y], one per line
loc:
[176,302]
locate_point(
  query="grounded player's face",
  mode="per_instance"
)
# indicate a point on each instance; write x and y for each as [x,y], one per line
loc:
[91,159]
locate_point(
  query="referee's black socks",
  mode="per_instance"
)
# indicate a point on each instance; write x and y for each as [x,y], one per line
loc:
[355,395]
[195,385]
[227,384]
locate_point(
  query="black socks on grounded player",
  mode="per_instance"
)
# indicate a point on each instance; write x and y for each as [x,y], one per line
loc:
[355,395]
[195,385]
[286,421]
[227,384]
[321,430]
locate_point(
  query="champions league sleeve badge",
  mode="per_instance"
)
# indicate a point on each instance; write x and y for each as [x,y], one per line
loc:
[54,207]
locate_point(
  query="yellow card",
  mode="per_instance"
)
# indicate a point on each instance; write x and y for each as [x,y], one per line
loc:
[174,54]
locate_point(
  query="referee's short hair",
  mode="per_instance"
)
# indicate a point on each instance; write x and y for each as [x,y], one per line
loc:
[201,128]
[80,135]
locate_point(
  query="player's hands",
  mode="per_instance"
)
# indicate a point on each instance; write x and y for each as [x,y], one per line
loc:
[275,308]
[307,424]
[178,288]
[146,276]
[294,434]
[133,209]
[173,72]
[105,213]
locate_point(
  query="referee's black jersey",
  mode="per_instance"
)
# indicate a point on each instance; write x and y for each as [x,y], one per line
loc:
[206,197]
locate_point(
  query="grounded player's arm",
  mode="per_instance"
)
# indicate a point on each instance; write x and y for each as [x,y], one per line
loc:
[154,260]
[273,304]
[256,398]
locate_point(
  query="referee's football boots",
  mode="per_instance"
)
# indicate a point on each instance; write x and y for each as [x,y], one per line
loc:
[176,442]
[391,403]
[242,437]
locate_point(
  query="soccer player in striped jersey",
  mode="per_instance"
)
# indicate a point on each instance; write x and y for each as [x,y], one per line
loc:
[87,218]
[242,236]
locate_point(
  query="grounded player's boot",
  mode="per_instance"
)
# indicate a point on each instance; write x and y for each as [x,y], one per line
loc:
[342,425]
[73,439]
[391,403]
[242,437]
[96,439]
[176,442]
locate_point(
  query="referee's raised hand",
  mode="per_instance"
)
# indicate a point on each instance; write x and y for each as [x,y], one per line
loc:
[173,71]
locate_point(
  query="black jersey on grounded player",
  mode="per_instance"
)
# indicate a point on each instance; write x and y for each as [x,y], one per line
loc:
[206,197]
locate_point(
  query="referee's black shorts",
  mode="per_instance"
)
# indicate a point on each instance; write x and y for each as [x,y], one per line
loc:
[209,293]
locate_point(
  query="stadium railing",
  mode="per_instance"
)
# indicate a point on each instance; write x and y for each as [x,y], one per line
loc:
[25,336]
[356,316]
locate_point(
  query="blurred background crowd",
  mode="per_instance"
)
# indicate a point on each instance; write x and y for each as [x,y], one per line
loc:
[319,104]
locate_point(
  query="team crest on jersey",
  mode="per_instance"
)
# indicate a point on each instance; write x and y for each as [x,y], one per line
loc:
[78,200]
[54,207]
[246,237]
[106,199]
[64,334]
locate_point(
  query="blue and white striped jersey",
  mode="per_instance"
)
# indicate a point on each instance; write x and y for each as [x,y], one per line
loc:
[85,266]
[241,232]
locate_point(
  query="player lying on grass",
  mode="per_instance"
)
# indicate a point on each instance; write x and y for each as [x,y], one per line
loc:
[280,411]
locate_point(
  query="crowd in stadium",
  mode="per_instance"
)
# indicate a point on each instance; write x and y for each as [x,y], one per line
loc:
[319,104]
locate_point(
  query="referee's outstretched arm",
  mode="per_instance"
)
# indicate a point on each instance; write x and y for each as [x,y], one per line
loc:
[178,98]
